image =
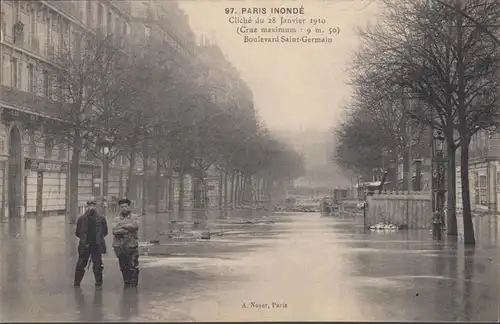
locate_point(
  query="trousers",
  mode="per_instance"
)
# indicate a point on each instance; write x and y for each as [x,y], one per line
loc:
[86,252]
[129,266]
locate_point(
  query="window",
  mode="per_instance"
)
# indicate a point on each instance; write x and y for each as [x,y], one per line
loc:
[110,22]
[483,190]
[31,78]
[15,72]
[32,144]
[33,24]
[62,152]
[49,145]
[46,84]
[49,32]
[89,13]
[77,42]
[100,14]
[55,89]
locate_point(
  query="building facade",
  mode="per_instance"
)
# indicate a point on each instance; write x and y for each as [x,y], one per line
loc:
[484,173]
[33,169]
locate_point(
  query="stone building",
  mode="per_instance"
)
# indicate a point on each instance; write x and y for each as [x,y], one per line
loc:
[34,170]
[484,173]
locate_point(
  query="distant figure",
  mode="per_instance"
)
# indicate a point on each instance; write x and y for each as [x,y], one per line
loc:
[114,204]
[126,243]
[91,229]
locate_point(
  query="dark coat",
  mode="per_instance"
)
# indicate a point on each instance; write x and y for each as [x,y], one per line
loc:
[82,230]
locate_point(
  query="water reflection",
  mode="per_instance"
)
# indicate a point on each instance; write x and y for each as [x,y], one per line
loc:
[89,312]
[39,224]
[130,304]
[457,281]
[80,305]
[468,273]
[97,314]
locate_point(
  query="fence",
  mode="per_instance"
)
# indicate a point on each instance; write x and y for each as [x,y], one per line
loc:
[402,208]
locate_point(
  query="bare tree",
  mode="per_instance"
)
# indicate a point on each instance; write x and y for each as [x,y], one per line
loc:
[448,70]
[82,82]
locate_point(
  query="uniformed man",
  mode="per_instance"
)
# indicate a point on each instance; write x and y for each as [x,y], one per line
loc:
[91,229]
[126,244]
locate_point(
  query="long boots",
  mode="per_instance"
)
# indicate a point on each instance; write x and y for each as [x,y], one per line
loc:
[78,277]
[126,277]
[134,277]
[98,274]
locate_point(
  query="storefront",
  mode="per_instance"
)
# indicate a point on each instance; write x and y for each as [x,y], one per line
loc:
[45,184]
[484,186]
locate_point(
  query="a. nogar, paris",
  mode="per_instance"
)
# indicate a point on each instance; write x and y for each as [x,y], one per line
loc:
[236,161]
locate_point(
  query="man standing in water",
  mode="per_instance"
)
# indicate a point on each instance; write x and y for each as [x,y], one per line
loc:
[91,229]
[126,243]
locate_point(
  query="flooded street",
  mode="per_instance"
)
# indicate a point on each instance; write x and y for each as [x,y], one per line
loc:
[296,267]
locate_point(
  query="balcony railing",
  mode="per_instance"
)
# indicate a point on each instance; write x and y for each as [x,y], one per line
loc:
[68,7]
[123,5]
[30,101]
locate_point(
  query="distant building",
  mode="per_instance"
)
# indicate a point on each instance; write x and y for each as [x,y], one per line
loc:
[484,172]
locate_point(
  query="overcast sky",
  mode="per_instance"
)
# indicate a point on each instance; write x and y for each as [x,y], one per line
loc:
[295,86]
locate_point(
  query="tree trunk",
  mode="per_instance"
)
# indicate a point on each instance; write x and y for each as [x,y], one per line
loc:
[406,170]
[130,176]
[197,187]
[233,181]
[158,180]
[145,156]
[181,188]
[469,238]
[171,188]
[236,189]
[451,222]
[221,188]
[258,189]
[246,187]
[73,180]
[250,189]
[105,182]
[242,189]
[225,190]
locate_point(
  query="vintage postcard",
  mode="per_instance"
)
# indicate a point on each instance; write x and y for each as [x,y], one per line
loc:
[249,160]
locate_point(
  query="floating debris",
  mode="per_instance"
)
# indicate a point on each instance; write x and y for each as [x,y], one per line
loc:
[144,244]
[384,227]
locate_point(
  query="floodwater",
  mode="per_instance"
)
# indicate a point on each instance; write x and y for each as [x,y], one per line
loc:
[284,267]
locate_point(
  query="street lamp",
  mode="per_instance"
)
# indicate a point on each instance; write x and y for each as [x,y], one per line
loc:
[357,188]
[438,215]
[106,144]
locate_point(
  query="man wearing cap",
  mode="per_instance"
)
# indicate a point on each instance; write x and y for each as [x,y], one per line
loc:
[91,229]
[126,243]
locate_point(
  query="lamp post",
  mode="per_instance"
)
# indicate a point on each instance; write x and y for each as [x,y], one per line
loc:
[438,215]
[357,188]
[106,145]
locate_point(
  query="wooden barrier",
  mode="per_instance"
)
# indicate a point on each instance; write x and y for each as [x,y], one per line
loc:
[405,209]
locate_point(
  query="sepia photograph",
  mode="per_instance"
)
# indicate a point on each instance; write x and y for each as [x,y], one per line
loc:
[249,160]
